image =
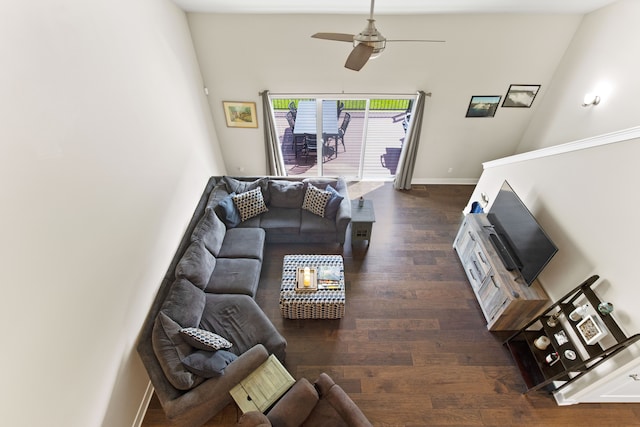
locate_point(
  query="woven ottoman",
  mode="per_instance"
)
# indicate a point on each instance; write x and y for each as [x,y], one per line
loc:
[320,304]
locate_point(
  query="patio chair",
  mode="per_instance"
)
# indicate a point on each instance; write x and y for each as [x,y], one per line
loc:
[340,108]
[291,120]
[293,109]
[297,141]
[311,146]
[342,130]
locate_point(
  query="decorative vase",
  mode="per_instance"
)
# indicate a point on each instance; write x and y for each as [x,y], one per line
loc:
[605,308]
[578,313]
[542,342]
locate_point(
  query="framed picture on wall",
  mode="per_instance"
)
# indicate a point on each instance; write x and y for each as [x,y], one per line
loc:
[521,96]
[240,114]
[483,105]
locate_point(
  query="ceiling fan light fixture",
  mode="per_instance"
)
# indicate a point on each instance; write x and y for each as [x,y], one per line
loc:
[370,36]
[378,46]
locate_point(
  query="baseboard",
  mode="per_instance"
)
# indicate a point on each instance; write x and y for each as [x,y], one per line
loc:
[445,181]
[142,409]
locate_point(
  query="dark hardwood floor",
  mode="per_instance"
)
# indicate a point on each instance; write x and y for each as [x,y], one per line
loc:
[413,348]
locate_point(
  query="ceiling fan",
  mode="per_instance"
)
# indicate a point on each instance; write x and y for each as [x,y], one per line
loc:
[367,44]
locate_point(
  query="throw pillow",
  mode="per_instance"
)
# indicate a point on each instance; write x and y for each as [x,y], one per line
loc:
[228,212]
[218,192]
[250,204]
[204,340]
[237,186]
[208,364]
[315,200]
[331,210]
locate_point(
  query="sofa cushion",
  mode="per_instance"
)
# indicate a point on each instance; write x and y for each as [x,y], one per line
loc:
[250,204]
[252,222]
[315,200]
[204,340]
[237,186]
[184,303]
[211,230]
[170,348]
[333,204]
[286,194]
[239,319]
[196,265]
[312,223]
[243,243]
[235,276]
[208,364]
[284,220]
[228,212]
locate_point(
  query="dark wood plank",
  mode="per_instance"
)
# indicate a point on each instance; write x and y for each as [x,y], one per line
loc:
[413,348]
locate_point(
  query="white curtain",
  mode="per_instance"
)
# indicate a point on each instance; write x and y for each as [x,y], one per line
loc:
[407,160]
[275,161]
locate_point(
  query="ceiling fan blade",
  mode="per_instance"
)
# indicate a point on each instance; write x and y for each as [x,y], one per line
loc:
[425,41]
[339,37]
[358,57]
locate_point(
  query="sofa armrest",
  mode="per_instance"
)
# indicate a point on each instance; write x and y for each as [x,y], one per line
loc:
[341,402]
[295,406]
[198,405]
[253,419]
[343,216]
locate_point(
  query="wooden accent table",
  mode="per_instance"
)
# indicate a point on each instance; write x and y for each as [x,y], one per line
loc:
[362,219]
[263,386]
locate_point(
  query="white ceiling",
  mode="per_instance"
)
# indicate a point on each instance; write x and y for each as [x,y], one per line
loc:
[391,7]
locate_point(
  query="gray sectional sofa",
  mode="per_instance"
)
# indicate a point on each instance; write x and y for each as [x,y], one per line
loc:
[286,221]
[206,300]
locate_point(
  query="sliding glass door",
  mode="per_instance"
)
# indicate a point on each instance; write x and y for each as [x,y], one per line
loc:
[354,137]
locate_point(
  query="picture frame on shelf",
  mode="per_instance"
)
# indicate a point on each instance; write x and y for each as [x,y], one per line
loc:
[483,105]
[239,114]
[520,96]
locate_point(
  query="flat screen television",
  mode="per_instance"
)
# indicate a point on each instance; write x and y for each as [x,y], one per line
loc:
[520,241]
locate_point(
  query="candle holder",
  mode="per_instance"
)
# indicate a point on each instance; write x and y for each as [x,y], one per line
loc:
[307,279]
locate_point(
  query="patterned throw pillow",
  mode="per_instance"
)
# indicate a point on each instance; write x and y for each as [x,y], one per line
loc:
[204,340]
[250,204]
[315,200]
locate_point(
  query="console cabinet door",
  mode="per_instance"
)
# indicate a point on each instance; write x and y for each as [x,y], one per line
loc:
[493,299]
[506,301]
[465,240]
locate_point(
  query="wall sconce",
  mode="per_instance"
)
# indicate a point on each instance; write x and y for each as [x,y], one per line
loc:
[590,99]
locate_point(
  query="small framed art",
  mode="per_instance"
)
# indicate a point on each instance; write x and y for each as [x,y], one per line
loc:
[240,114]
[483,106]
[520,96]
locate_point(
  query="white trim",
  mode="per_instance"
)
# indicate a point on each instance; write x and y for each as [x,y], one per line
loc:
[581,144]
[144,405]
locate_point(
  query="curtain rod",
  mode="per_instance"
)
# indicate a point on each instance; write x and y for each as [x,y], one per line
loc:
[307,94]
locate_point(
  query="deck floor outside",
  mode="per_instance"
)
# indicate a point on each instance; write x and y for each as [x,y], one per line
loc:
[383,143]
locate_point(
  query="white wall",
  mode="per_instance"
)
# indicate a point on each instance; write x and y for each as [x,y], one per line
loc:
[602,59]
[586,200]
[241,55]
[106,143]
